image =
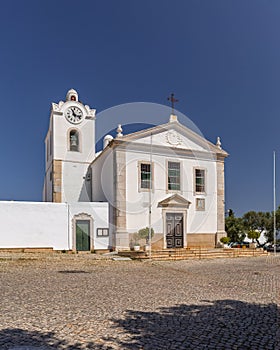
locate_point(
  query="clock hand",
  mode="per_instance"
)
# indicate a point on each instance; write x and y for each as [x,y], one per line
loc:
[73,113]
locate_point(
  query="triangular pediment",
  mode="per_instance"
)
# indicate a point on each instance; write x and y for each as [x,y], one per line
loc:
[174,201]
[174,135]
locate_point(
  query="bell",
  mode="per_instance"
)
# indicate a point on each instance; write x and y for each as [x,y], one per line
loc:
[73,141]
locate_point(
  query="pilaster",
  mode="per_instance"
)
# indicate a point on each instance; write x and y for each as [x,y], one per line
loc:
[57,180]
[220,200]
[121,235]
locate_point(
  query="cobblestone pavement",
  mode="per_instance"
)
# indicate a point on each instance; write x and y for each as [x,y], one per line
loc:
[85,302]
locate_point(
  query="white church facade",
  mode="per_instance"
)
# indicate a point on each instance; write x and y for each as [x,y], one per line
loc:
[166,177]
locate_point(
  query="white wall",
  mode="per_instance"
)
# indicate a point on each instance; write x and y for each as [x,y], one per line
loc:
[33,225]
[103,184]
[48,225]
[75,186]
[103,177]
[137,202]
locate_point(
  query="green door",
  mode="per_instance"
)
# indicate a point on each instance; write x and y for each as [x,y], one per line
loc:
[82,235]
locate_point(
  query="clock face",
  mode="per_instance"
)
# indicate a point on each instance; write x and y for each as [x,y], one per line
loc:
[74,115]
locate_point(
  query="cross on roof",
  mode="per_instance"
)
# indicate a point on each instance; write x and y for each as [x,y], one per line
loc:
[173,100]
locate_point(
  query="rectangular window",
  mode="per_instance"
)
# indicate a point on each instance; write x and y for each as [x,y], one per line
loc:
[146,177]
[102,232]
[200,204]
[173,176]
[200,180]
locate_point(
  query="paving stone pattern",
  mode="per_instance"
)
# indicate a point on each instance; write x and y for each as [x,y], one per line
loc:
[61,301]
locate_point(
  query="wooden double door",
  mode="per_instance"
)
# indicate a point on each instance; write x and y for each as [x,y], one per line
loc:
[174,230]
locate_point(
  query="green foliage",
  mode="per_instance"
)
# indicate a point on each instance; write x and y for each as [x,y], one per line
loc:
[253,235]
[144,233]
[270,233]
[253,224]
[225,240]
[256,221]
[135,239]
[259,221]
[235,228]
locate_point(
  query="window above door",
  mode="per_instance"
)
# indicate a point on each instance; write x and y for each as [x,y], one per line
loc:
[145,176]
[173,176]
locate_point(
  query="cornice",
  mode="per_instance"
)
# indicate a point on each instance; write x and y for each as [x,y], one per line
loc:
[61,106]
[164,150]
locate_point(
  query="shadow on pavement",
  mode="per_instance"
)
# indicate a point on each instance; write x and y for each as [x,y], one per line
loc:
[222,324]
[21,339]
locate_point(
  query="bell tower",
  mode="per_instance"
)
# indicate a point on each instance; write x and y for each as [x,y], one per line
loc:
[69,151]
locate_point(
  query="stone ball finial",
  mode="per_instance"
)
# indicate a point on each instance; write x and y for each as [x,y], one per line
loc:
[72,95]
[218,143]
[119,131]
[107,139]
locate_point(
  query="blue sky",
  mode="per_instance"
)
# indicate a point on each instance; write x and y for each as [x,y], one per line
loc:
[221,58]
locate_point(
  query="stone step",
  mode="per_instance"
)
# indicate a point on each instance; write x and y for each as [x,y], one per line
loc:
[184,254]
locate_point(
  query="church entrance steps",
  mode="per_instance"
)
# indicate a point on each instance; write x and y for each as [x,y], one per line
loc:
[184,254]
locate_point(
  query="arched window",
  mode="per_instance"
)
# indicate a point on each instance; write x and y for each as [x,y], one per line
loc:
[74,141]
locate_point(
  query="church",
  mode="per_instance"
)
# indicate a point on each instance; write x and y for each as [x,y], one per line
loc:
[166,178]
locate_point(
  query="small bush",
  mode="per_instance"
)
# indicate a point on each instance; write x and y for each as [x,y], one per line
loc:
[253,235]
[225,240]
[144,233]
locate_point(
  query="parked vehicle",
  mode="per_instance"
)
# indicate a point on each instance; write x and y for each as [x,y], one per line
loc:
[271,248]
[267,245]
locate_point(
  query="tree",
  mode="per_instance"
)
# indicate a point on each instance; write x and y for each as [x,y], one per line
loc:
[234,227]
[270,228]
[253,224]
[257,222]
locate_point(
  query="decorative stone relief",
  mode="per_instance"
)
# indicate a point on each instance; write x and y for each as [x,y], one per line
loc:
[56,107]
[173,138]
[90,112]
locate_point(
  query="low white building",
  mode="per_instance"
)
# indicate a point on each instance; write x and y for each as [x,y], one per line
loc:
[58,226]
[166,177]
